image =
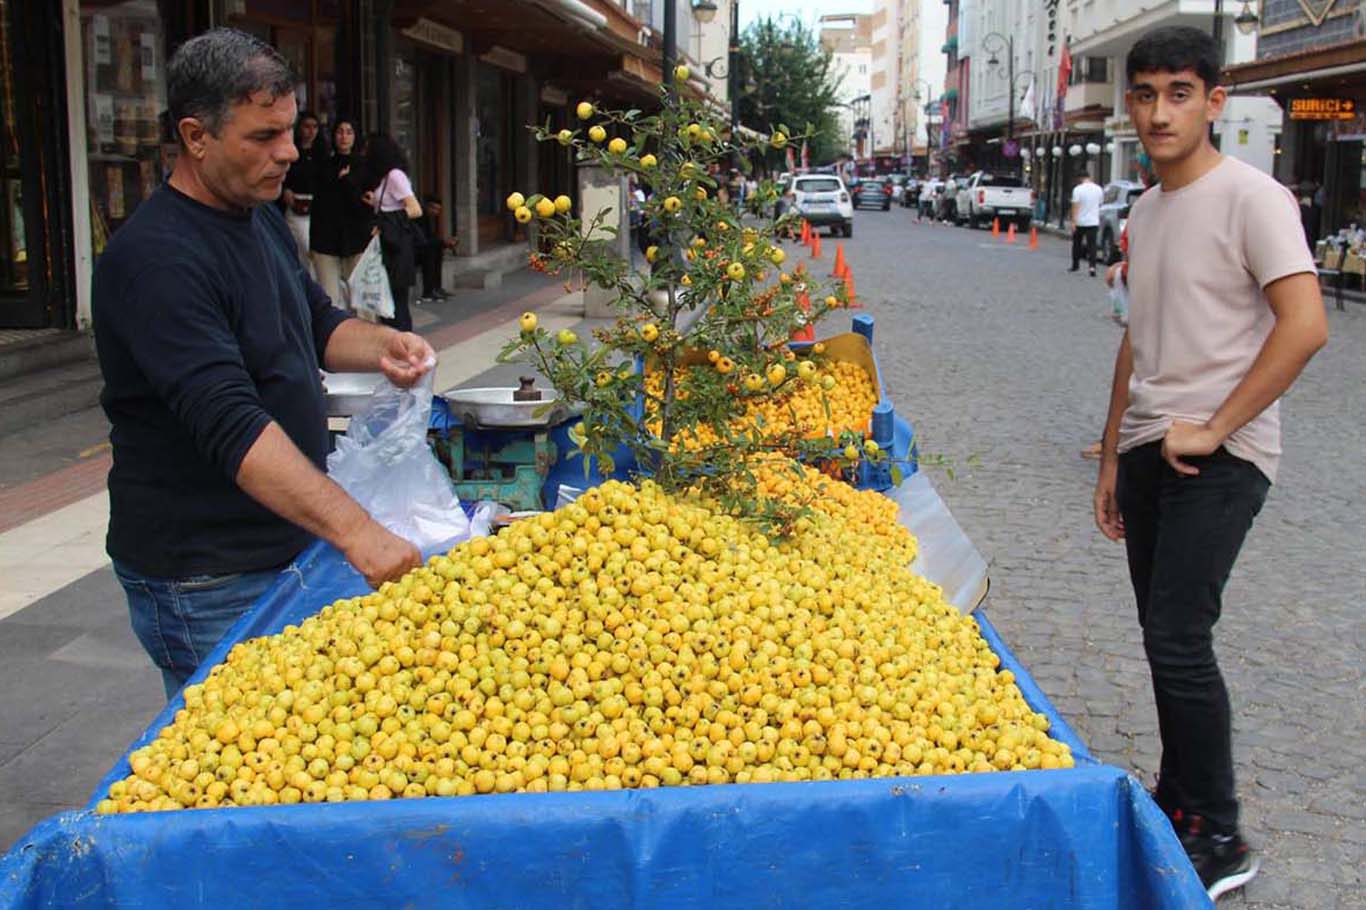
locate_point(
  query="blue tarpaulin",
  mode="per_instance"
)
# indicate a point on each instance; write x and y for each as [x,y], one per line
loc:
[1080,838]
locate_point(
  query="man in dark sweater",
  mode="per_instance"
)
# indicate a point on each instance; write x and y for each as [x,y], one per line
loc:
[211,337]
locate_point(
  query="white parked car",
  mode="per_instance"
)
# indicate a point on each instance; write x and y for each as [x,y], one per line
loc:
[984,197]
[823,200]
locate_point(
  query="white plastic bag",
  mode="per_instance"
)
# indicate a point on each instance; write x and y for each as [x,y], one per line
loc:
[385,464]
[367,287]
[1119,301]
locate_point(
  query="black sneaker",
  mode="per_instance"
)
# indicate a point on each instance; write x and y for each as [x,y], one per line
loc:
[1223,862]
[1093,273]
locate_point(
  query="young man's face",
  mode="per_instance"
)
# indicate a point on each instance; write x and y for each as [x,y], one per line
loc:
[308,131]
[1172,113]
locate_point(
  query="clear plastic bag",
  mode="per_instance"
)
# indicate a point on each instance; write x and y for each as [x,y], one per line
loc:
[386,465]
[367,287]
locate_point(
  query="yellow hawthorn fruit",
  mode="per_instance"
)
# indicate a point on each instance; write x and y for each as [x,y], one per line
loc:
[681,73]
[784,277]
[871,447]
[597,133]
[735,271]
[545,207]
[713,355]
[776,255]
[648,161]
[617,146]
[699,193]
[724,365]
[565,336]
[851,452]
[806,369]
[651,253]
[776,374]
[649,333]
[563,204]
[565,137]
[828,382]
[672,204]
[523,214]
[686,281]
[515,201]
[777,140]
[694,131]
[818,347]
[584,110]
[754,382]
[604,379]
[528,322]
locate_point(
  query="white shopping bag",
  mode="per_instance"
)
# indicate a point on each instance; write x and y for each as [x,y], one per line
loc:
[385,464]
[1119,301]
[367,287]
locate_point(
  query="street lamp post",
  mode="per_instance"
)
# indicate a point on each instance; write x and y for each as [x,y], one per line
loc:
[1006,42]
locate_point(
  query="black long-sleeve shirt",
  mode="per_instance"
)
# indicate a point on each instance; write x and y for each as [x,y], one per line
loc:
[207,329]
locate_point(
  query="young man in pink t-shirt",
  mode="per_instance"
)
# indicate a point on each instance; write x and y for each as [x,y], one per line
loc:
[1224,313]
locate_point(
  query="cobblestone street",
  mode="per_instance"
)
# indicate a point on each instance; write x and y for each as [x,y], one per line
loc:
[1002,361]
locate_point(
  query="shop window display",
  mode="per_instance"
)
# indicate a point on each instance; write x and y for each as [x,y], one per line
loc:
[130,148]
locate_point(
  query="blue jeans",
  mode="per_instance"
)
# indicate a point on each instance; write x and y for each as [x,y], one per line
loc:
[180,620]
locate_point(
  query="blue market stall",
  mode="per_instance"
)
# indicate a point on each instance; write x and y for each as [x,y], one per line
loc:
[1087,837]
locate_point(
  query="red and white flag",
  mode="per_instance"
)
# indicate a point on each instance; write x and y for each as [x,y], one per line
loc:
[791,160]
[806,156]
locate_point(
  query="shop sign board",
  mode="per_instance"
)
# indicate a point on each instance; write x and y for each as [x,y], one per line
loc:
[436,35]
[1322,109]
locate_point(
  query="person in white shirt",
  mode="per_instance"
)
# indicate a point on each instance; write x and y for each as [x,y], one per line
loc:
[1086,198]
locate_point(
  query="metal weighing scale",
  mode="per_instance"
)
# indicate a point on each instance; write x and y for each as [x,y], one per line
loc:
[496,442]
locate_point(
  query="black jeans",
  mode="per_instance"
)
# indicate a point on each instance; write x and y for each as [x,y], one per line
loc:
[429,256]
[1183,535]
[1087,236]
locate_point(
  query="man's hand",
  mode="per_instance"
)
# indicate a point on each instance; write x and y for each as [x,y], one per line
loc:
[380,555]
[407,358]
[1185,438]
[1108,519]
[1112,274]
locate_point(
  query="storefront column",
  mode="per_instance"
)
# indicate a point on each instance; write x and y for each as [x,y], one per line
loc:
[466,177]
[526,150]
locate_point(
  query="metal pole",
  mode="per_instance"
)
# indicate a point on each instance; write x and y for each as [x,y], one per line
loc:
[670,40]
[1010,88]
[1218,30]
[733,69]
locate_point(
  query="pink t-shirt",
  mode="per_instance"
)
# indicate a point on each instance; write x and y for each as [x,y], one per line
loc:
[392,190]
[1199,259]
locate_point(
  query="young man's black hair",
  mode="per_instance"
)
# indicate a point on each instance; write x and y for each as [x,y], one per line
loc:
[1173,49]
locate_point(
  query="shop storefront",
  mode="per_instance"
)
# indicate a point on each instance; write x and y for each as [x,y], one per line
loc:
[35,222]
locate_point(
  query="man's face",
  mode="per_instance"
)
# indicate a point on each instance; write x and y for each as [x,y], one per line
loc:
[245,164]
[308,131]
[1172,112]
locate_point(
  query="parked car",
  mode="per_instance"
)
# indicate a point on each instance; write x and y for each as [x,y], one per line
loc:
[910,193]
[898,186]
[823,201]
[987,196]
[871,192]
[1114,213]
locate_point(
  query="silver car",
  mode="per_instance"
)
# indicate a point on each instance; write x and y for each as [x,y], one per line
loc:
[1114,213]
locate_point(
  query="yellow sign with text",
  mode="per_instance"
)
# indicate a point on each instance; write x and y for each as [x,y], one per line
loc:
[1322,109]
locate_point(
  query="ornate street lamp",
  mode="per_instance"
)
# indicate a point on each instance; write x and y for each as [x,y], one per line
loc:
[704,11]
[1246,20]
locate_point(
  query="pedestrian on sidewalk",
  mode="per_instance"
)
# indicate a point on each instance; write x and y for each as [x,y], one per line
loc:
[1225,312]
[396,212]
[1085,214]
[210,337]
[341,223]
[431,250]
[301,182]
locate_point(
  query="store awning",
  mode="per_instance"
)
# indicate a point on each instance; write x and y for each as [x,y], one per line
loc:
[1338,64]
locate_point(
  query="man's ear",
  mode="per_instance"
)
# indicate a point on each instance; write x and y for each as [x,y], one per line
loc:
[193,136]
[1214,105]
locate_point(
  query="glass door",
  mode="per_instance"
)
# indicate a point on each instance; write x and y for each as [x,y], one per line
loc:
[22,256]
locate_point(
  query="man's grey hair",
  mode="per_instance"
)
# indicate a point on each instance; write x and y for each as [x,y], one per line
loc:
[211,72]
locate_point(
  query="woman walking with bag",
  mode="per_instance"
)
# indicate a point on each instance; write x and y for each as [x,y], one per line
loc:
[397,209]
[341,223]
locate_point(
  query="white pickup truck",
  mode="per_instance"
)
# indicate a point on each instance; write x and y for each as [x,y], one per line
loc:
[986,196]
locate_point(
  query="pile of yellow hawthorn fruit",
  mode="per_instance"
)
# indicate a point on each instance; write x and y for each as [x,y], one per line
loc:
[629,639]
[790,398]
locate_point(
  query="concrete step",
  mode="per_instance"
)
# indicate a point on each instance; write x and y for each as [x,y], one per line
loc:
[26,353]
[45,394]
[486,269]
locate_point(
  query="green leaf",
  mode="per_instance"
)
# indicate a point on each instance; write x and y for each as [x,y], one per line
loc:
[897,475]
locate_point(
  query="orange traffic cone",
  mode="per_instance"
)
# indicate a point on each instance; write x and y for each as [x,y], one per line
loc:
[806,232]
[1033,237]
[843,270]
[851,301]
[995,228]
[840,264]
[815,245]
[1010,234]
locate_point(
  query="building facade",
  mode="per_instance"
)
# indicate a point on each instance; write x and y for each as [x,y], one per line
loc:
[848,38]
[1311,68]
[885,125]
[922,81]
[86,140]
